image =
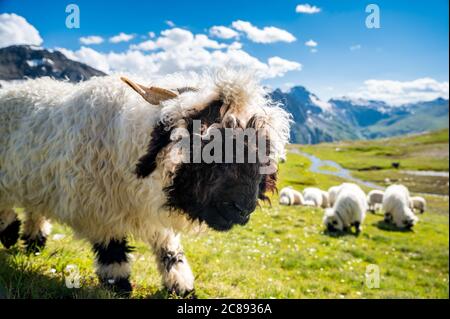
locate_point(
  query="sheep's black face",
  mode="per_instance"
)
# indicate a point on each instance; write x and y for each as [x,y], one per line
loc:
[220,193]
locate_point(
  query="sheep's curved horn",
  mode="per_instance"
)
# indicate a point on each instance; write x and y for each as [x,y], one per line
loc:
[152,94]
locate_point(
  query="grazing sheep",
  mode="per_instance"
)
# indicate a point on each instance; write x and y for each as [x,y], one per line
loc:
[313,197]
[325,199]
[289,196]
[374,198]
[348,210]
[397,207]
[418,203]
[332,193]
[106,161]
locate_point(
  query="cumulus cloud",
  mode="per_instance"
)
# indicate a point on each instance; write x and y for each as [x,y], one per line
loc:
[311,43]
[121,37]
[14,29]
[307,9]
[223,32]
[92,39]
[265,35]
[398,92]
[179,50]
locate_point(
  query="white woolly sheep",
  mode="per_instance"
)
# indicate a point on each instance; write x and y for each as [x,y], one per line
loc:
[374,199]
[102,159]
[348,210]
[314,197]
[418,203]
[332,193]
[397,207]
[289,196]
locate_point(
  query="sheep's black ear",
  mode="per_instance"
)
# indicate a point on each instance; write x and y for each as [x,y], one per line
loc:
[160,138]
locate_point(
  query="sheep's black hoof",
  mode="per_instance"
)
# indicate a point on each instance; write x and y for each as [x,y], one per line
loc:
[10,235]
[120,286]
[36,244]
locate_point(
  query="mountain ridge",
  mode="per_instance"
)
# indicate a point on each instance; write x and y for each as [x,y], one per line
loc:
[315,121]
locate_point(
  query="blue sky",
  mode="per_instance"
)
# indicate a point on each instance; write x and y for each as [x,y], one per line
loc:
[411,44]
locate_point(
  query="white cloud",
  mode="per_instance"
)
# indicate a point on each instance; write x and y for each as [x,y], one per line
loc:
[179,38]
[325,106]
[92,39]
[151,34]
[148,45]
[307,9]
[311,43]
[14,29]
[169,23]
[121,37]
[265,35]
[179,50]
[355,47]
[278,66]
[223,32]
[398,92]
[235,46]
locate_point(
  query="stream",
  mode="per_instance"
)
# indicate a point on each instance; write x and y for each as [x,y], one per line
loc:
[317,165]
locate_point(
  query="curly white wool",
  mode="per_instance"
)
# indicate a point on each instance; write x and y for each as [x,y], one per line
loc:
[396,206]
[68,151]
[349,208]
[289,196]
[418,203]
[374,198]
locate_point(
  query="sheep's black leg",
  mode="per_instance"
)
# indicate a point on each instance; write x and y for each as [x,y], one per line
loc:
[357,226]
[35,232]
[9,227]
[173,265]
[113,266]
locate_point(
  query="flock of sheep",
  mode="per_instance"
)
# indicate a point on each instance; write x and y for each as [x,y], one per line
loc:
[346,205]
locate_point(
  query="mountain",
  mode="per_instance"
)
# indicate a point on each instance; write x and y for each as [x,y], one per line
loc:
[317,121]
[24,61]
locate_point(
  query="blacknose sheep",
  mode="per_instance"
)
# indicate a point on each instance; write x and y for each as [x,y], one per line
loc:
[374,199]
[108,162]
[314,197]
[397,207]
[418,203]
[289,196]
[348,210]
[332,193]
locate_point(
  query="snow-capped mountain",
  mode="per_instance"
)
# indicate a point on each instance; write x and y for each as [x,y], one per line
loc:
[18,62]
[337,119]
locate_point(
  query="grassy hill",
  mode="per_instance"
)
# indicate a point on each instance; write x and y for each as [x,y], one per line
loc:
[372,160]
[283,252]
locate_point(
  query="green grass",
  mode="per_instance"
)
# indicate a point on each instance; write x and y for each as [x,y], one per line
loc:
[282,253]
[416,152]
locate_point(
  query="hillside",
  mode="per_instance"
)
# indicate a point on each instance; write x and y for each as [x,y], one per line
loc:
[423,160]
[283,252]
